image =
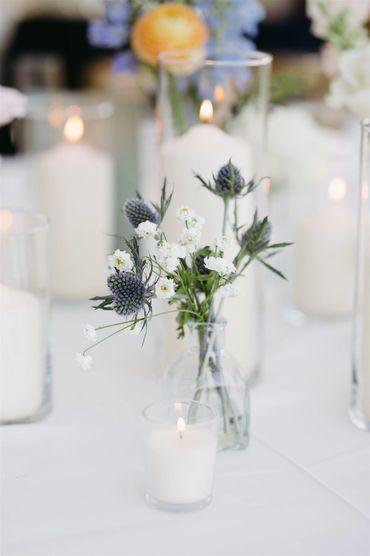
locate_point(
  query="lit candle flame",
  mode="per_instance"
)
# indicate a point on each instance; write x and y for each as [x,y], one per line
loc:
[180,426]
[219,93]
[206,111]
[74,128]
[337,189]
[6,219]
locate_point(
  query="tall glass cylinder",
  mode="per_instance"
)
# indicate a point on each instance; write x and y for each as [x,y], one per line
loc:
[73,176]
[360,405]
[212,109]
[24,316]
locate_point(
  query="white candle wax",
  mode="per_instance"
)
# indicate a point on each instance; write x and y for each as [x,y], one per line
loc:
[21,354]
[75,186]
[203,150]
[325,242]
[180,467]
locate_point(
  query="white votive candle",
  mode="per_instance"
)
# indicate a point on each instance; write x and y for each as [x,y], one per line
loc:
[180,459]
[75,187]
[324,266]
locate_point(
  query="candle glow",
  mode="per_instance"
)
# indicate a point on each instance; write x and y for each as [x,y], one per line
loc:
[6,219]
[206,111]
[74,129]
[219,93]
[337,189]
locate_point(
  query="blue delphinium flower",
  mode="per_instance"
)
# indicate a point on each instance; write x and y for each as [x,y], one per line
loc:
[107,35]
[125,62]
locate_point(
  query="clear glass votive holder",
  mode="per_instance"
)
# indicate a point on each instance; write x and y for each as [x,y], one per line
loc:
[180,444]
[25,379]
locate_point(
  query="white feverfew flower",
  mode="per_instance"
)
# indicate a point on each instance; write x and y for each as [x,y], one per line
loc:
[190,239]
[229,290]
[165,288]
[90,333]
[169,264]
[185,214]
[223,242]
[146,229]
[220,265]
[84,361]
[171,250]
[196,222]
[121,260]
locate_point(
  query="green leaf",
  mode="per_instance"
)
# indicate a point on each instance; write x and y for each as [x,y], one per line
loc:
[272,268]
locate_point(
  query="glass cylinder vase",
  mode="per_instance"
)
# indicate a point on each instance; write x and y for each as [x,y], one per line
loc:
[25,382]
[212,109]
[207,373]
[360,403]
[72,169]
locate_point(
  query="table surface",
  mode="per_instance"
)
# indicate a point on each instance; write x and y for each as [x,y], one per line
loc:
[73,483]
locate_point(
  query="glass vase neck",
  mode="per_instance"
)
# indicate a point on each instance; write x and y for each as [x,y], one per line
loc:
[207,333]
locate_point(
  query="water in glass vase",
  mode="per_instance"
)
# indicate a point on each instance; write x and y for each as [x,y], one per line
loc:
[207,373]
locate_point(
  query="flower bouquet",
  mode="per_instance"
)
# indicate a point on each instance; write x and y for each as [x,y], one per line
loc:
[194,279]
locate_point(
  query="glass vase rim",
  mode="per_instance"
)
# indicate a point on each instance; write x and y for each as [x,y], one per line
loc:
[171,404]
[41,222]
[250,58]
[88,106]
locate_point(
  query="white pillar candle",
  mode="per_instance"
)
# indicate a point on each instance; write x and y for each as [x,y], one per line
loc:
[203,150]
[324,266]
[75,186]
[21,354]
[180,463]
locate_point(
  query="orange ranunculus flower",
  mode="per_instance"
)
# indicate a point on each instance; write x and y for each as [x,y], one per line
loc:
[167,27]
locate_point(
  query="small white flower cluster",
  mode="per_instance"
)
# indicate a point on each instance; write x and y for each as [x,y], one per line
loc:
[90,332]
[84,361]
[223,242]
[220,265]
[191,234]
[169,255]
[121,260]
[146,229]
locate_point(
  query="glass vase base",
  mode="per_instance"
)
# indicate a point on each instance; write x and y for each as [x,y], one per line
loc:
[359,419]
[39,415]
[176,508]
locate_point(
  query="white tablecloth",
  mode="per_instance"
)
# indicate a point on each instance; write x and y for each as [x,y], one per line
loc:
[73,483]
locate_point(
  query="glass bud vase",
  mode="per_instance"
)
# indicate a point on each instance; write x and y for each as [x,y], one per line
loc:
[360,403]
[207,373]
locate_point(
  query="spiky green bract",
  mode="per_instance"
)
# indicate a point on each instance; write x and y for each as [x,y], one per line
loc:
[255,244]
[165,202]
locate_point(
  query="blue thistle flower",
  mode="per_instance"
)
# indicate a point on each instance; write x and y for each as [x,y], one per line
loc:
[130,293]
[229,180]
[137,211]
